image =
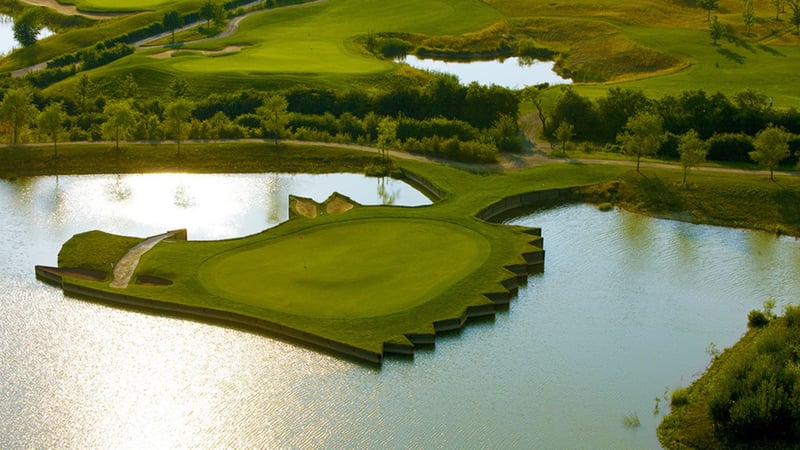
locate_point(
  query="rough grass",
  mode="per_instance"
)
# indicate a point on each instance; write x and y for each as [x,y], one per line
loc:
[95,250]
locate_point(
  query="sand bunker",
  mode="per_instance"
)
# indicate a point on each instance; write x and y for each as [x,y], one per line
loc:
[68,10]
[306,207]
[225,51]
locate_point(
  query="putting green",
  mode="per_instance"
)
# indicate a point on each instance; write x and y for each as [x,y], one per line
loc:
[352,269]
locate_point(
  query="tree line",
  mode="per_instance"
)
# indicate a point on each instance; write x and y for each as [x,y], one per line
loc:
[731,129]
[441,118]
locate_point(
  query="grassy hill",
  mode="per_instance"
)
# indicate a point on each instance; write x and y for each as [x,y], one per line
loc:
[660,47]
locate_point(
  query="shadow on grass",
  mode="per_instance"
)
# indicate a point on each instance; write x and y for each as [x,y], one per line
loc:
[732,56]
[772,51]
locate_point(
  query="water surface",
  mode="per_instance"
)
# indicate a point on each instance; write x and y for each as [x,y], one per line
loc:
[625,309]
[7,40]
[513,73]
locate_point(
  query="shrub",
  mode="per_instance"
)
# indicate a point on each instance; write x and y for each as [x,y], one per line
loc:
[680,397]
[730,147]
[757,319]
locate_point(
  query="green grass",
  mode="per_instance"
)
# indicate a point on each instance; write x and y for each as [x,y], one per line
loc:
[348,270]
[662,48]
[118,5]
[310,44]
[727,68]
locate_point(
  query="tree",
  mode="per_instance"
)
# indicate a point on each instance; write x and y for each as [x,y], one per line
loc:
[536,95]
[505,133]
[83,93]
[274,117]
[693,151]
[172,21]
[615,108]
[778,8]
[51,122]
[748,15]
[27,26]
[771,147]
[177,117]
[716,29]
[179,88]
[708,5]
[212,11]
[127,88]
[17,111]
[120,119]
[564,136]
[643,136]
[387,135]
[795,18]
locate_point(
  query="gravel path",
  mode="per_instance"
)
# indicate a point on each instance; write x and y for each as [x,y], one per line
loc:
[123,270]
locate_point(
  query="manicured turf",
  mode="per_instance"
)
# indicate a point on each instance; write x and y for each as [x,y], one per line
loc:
[348,270]
[121,5]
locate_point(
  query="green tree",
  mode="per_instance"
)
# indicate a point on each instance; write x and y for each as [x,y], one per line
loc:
[172,21]
[179,88]
[748,15]
[127,88]
[771,147]
[708,5]
[536,96]
[795,18]
[51,122]
[177,116]
[387,135]
[120,120]
[643,135]
[505,133]
[27,25]
[564,136]
[716,29]
[274,116]
[83,93]
[212,11]
[17,111]
[693,151]
[778,8]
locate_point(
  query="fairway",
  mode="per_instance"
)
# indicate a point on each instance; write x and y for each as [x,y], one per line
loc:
[352,269]
[117,5]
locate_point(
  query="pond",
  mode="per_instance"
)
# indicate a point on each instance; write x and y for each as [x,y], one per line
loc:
[626,308]
[7,41]
[513,73]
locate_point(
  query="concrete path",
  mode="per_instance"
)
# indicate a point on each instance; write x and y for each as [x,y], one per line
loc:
[126,266]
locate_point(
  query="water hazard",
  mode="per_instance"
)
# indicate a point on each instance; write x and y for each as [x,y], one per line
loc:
[621,314]
[513,72]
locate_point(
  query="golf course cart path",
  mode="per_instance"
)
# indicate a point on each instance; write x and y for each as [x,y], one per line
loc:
[123,270]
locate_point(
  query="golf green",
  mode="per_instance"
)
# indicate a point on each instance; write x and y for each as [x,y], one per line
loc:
[351,269]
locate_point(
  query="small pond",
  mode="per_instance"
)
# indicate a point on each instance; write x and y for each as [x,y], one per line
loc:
[513,73]
[7,41]
[625,309]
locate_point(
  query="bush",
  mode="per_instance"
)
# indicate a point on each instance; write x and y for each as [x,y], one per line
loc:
[730,147]
[680,397]
[757,319]
[756,395]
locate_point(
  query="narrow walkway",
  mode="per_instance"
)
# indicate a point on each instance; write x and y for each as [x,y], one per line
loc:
[123,270]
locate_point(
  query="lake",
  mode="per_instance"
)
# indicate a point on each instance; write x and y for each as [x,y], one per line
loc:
[7,41]
[625,309]
[512,72]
